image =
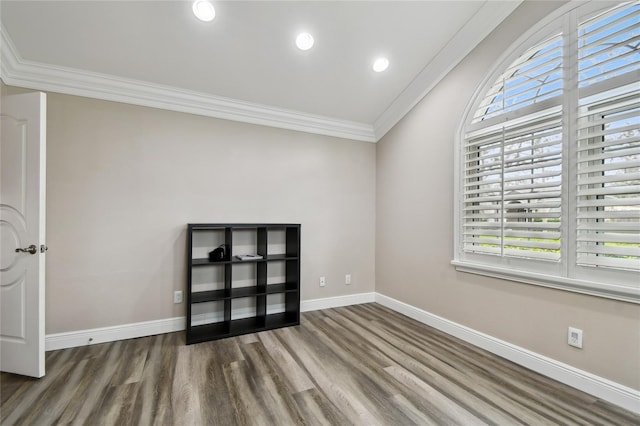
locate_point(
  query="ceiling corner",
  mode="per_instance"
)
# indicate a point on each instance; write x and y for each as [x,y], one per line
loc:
[488,17]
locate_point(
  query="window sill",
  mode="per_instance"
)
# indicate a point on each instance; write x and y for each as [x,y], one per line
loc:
[609,291]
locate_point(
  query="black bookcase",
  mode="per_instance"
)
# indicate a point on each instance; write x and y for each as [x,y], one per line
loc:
[230,297]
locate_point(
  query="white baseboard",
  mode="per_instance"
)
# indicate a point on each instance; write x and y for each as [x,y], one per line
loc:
[111,334]
[599,387]
[336,302]
[73,339]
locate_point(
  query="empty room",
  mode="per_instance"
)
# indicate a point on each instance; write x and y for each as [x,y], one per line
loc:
[320,212]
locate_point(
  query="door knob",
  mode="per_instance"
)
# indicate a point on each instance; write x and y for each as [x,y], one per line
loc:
[31,249]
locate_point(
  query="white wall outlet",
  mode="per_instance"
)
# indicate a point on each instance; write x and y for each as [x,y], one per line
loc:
[322,282]
[347,279]
[574,337]
[177,296]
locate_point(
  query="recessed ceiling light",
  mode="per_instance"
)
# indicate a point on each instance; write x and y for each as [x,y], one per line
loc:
[380,64]
[204,10]
[304,41]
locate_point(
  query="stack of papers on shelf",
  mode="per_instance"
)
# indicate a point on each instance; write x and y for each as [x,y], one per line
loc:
[249,256]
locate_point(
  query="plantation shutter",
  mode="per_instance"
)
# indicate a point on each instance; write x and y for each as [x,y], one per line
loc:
[483,193]
[608,143]
[609,46]
[549,177]
[532,78]
[513,189]
[513,161]
[609,183]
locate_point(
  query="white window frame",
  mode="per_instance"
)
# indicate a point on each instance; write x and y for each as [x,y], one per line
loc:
[565,274]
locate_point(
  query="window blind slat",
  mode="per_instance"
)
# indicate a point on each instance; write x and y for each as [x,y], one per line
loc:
[621,214]
[625,202]
[608,226]
[628,238]
[610,250]
[538,185]
[631,264]
[533,225]
[547,204]
[610,190]
[480,225]
[538,175]
[532,196]
[616,178]
[483,216]
[533,244]
[543,163]
[606,144]
[611,167]
[532,254]
[607,131]
[526,216]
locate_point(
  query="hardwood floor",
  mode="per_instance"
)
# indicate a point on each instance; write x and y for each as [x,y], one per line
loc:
[363,365]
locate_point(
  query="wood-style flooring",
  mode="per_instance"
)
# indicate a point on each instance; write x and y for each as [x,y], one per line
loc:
[357,365]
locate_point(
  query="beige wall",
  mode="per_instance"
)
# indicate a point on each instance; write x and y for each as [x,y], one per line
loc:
[414,237]
[123,181]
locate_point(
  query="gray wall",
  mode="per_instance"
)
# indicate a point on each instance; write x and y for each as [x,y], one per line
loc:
[414,236]
[123,181]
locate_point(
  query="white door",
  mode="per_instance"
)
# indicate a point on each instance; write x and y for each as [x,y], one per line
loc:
[22,244]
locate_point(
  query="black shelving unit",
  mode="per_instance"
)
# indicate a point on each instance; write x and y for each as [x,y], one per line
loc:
[231,297]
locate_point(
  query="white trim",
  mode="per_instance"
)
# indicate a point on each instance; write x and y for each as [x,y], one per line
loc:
[16,71]
[609,291]
[485,20]
[599,387]
[111,334]
[336,302]
[73,339]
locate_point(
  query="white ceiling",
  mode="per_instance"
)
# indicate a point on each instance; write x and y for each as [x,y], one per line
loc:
[244,64]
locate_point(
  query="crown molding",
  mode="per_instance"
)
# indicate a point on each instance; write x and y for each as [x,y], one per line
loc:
[485,20]
[16,71]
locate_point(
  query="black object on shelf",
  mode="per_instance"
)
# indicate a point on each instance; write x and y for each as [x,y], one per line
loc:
[228,296]
[219,254]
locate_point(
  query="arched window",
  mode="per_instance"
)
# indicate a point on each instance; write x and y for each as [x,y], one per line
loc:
[549,167]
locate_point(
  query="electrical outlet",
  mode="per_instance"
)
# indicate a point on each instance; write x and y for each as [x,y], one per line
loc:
[177,296]
[347,279]
[322,282]
[574,337]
